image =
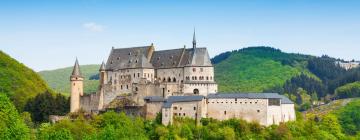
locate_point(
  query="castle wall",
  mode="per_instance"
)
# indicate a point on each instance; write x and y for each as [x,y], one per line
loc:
[173,75]
[288,112]
[152,108]
[247,109]
[203,88]
[90,102]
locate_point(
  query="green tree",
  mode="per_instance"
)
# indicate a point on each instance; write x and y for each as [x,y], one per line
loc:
[11,124]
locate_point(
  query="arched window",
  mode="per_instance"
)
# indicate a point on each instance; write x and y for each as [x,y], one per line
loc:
[174,79]
[164,79]
[127,86]
[136,89]
[169,79]
[196,91]
[207,77]
[195,78]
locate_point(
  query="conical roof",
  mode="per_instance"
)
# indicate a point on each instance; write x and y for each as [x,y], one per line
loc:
[76,70]
[102,67]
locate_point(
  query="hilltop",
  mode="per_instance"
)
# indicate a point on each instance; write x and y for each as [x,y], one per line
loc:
[59,79]
[19,82]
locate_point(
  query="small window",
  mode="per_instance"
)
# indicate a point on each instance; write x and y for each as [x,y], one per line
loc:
[175,114]
[129,53]
[138,74]
[194,69]
[127,86]
[175,107]
[184,114]
[258,111]
[224,112]
[118,58]
[158,58]
[136,61]
[180,108]
[136,89]
[195,107]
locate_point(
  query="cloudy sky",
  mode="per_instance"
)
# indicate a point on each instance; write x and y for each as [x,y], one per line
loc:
[46,34]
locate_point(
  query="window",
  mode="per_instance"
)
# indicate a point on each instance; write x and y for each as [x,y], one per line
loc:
[175,107]
[258,111]
[74,84]
[184,114]
[207,77]
[196,91]
[136,89]
[127,86]
[136,61]
[174,79]
[134,75]
[180,108]
[195,107]
[175,114]
[121,87]
[224,112]
[118,58]
[138,74]
[194,69]
[274,102]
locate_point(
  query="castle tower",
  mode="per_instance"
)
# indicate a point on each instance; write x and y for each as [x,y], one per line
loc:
[76,81]
[102,80]
[102,74]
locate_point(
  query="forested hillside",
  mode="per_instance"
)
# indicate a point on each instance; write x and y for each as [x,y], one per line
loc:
[19,82]
[59,79]
[256,69]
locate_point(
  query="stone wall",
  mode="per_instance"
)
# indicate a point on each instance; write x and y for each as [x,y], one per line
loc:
[247,109]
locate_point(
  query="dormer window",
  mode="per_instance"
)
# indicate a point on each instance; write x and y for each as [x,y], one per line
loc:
[136,61]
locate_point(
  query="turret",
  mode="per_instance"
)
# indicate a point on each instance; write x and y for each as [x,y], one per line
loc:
[102,74]
[76,81]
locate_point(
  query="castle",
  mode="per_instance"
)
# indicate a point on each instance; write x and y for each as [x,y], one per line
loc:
[177,83]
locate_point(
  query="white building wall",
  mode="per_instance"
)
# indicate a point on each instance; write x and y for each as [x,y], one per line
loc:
[247,109]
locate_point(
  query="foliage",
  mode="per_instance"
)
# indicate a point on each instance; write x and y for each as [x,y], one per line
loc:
[349,117]
[19,82]
[11,124]
[46,104]
[349,90]
[59,79]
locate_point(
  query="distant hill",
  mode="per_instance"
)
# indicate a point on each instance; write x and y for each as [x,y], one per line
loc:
[59,79]
[256,69]
[19,82]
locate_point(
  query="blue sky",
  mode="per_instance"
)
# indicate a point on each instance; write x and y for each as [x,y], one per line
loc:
[46,34]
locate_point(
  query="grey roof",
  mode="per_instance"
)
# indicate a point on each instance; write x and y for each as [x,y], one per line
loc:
[173,99]
[76,70]
[146,57]
[284,100]
[102,67]
[154,98]
[135,57]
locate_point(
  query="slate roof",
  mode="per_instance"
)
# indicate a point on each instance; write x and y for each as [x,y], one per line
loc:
[102,67]
[284,99]
[173,99]
[76,70]
[137,57]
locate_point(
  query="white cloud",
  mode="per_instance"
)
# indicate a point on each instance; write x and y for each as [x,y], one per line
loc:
[91,26]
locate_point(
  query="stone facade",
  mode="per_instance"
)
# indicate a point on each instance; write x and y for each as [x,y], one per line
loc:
[177,83]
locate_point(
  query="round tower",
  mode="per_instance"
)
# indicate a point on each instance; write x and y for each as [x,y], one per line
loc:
[76,81]
[102,74]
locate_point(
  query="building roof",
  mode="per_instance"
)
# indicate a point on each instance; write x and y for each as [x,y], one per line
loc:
[146,57]
[284,100]
[76,70]
[135,57]
[173,99]
[102,67]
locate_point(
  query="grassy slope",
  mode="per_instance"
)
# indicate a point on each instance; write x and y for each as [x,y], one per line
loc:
[248,73]
[59,79]
[19,81]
